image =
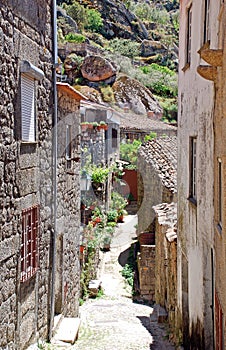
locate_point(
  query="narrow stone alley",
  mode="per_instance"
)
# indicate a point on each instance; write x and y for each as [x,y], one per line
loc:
[114,321]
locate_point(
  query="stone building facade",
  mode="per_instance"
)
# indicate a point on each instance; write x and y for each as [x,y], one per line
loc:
[217,63]
[67,271]
[26,223]
[35,214]
[157,178]
[166,261]
[201,146]
[157,183]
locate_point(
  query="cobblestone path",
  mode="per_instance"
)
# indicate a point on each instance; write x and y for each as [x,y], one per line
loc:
[114,322]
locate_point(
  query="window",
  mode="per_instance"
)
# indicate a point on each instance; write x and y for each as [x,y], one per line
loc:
[27,108]
[114,138]
[29,74]
[207,21]
[220,193]
[188,48]
[193,169]
[68,145]
[29,243]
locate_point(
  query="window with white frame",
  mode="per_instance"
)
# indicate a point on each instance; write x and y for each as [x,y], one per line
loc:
[29,242]
[27,108]
[188,39]
[29,73]
[193,169]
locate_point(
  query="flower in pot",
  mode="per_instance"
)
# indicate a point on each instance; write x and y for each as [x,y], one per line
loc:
[112,215]
[103,125]
[84,126]
[121,213]
[95,125]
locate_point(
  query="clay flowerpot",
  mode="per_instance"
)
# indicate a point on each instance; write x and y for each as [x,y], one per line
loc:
[82,247]
[84,127]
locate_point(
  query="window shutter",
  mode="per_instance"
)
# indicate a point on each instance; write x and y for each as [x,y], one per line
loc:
[27,108]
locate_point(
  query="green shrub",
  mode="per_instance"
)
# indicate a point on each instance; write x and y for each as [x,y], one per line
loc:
[75,38]
[128,151]
[125,47]
[94,20]
[128,273]
[112,215]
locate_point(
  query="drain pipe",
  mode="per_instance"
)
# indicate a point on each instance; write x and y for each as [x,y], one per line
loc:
[54,155]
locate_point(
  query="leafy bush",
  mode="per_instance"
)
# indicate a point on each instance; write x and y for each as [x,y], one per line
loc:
[125,47]
[75,38]
[128,273]
[94,20]
[99,174]
[112,215]
[77,12]
[128,151]
[151,136]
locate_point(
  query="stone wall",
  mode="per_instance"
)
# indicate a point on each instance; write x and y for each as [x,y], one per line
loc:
[25,170]
[166,260]
[156,179]
[146,271]
[68,206]
[196,103]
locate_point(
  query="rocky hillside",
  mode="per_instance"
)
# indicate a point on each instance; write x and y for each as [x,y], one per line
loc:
[121,52]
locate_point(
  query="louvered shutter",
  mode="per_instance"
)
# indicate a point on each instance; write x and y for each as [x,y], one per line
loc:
[27,108]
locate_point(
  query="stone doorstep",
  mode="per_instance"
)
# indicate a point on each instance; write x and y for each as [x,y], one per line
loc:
[94,287]
[159,314]
[68,330]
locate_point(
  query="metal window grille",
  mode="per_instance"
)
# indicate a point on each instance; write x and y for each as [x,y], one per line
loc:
[27,108]
[29,244]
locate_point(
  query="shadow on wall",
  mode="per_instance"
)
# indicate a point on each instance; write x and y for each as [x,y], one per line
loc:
[157,331]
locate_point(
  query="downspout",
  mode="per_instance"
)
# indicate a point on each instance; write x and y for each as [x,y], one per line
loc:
[54,155]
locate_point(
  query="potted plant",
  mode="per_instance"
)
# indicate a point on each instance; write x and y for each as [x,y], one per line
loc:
[84,126]
[95,125]
[112,215]
[121,214]
[107,242]
[103,125]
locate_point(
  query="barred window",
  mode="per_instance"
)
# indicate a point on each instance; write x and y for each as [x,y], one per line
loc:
[29,243]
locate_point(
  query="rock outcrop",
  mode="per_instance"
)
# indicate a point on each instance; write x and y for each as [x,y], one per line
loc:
[133,94]
[96,68]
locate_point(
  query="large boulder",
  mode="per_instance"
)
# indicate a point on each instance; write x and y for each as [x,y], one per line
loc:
[97,68]
[133,94]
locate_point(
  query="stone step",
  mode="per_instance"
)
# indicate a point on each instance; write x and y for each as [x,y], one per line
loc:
[67,331]
[94,287]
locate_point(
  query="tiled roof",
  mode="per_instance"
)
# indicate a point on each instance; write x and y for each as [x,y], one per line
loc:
[167,216]
[161,153]
[143,123]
